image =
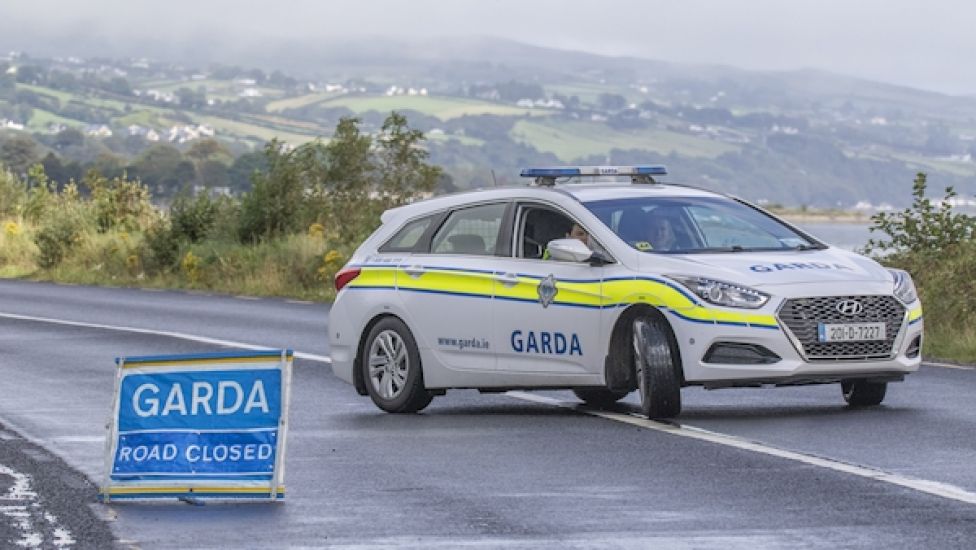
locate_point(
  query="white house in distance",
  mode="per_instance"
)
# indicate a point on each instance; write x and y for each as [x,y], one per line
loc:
[98,130]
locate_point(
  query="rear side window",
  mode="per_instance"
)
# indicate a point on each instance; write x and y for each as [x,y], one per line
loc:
[472,231]
[407,238]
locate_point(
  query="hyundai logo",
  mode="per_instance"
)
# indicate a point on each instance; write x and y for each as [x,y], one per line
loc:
[850,307]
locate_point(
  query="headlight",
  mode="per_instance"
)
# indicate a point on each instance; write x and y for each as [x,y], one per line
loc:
[904,287]
[722,293]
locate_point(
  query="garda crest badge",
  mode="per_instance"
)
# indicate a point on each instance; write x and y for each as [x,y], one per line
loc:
[547,290]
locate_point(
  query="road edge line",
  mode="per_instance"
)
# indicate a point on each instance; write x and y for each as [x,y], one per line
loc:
[165,333]
[933,488]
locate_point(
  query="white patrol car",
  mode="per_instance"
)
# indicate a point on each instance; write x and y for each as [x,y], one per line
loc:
[607,288]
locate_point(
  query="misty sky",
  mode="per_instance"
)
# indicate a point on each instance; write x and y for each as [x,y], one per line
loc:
[923,44]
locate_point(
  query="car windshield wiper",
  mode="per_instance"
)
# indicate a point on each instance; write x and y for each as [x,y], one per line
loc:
[809,247]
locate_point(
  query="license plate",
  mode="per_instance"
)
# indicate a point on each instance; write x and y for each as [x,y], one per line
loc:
[853,332]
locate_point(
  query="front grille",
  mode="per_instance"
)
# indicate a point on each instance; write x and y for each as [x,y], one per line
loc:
[802,316]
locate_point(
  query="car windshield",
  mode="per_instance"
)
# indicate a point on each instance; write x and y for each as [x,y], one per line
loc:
[682,225]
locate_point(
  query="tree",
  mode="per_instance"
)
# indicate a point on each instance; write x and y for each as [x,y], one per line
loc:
[68,137]
[213,173]
[269,210]
[244,167]
[163,169]
[612,102]
[19,153]
[206,149]
[404,173]
[191,99]
[348,179]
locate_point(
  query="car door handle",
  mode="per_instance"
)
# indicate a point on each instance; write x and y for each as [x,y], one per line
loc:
[414,271]
[507,279]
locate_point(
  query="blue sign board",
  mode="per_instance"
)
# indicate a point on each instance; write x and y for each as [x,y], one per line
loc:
[200,426]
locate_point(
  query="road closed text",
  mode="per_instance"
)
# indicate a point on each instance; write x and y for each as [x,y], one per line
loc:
[195,452]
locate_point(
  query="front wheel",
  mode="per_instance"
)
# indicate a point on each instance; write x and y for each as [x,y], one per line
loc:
[862,393]
[391,368]
[655,367]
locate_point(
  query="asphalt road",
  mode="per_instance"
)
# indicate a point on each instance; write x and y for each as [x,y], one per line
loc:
[473,470]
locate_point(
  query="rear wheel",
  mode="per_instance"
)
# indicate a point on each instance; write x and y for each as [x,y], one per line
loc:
[863,393]
[599,397]
[391,368]
[655,367]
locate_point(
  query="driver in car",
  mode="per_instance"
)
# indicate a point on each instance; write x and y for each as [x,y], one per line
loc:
[661,234]
[576,232]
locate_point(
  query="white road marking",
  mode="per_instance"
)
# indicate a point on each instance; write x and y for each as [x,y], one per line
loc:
[243,297]
[948,366]
[934,488]
[21,513]
[166,333]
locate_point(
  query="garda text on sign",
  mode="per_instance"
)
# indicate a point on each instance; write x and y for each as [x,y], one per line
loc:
[201,426]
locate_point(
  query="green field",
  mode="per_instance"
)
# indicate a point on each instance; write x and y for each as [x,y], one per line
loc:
[589,92]
[41,119]
[299,101]
[444,108]
[570,140]
[463,140]
[253,131]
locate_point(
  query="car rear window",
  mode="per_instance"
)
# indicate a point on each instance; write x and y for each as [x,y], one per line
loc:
[471,231]
[407,238]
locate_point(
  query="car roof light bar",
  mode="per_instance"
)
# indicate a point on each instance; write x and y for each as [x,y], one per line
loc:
[639,174]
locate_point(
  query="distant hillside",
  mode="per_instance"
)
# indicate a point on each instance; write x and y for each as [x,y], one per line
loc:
[492,106]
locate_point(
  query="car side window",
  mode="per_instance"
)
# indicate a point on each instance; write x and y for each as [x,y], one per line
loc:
[472,231]
[537,226]
[407,238]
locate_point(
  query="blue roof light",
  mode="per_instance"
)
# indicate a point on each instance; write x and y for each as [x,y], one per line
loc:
[549,172]
[568,171]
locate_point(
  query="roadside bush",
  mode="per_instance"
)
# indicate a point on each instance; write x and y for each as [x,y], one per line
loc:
[272,207]
[922,227]
[161,247]
[934,244]
[17,249]
[13,193]
[946,283]
[193,219]
[119,202]
[56,237]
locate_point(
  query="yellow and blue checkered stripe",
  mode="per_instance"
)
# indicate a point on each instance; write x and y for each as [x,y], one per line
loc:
[607,293]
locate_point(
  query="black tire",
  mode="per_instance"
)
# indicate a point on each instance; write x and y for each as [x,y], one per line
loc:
[862,393]
[396,384]
[655,365]
[599,397]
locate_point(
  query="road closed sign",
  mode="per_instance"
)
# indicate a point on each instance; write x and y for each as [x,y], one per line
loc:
[206,426]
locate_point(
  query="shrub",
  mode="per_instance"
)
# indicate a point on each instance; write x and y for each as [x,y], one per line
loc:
[193,219]
[119,202]
[161,246]
[13,193]
[56,237]
[922,227]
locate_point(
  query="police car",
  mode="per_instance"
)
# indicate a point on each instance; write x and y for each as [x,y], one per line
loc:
[608,287]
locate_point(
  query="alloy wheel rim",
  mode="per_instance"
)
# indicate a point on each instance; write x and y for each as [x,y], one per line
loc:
[388,364]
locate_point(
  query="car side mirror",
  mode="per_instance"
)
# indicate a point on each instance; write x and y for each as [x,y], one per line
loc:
[569,250]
